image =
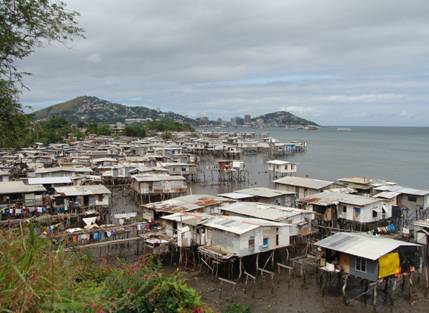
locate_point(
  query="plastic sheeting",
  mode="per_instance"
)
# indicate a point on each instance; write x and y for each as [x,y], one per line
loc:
[388,265]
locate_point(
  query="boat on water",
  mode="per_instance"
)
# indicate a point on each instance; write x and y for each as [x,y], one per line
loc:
[312,127]
[344,129]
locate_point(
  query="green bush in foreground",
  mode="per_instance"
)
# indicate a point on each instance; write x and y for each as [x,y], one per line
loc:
[36,278]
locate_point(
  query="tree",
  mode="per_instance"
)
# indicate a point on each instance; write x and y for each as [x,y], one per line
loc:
[99,130]
[24,26]
[14,124]
[135,130]
[167,125]
[53,130]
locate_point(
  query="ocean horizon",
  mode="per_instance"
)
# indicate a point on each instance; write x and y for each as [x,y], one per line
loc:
[399,154]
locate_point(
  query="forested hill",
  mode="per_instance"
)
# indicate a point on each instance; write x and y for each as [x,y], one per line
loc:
[93,109]
[283,118]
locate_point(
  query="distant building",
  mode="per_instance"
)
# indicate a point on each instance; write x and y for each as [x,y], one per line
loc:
[302,186]
[137,120]
[247,119]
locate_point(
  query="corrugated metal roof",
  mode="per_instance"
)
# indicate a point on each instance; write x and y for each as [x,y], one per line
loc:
[186,203]
[356,180]
[361,245]
[387,194]
[11,187]
[278,162]
[188,218]
[328,198]
[49,180]
[239,225]
[155,177]
[304,182]
[403,190]
[264,192]
[236,195]
[63,169]
[262,210]
[82,190]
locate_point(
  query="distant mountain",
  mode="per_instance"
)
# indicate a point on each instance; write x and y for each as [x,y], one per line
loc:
[283,118]
[94,109]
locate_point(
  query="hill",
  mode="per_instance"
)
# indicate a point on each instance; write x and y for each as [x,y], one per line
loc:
[283,118]
[97,110]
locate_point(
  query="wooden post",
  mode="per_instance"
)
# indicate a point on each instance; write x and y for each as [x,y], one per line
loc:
[240,269]
[257,264]
[344,289]
[374,301]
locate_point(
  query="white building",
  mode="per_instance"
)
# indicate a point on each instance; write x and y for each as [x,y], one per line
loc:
[61,171]
[281,168]
[353,208]
[300,220]
[158,185]
[86,196]
[302,186]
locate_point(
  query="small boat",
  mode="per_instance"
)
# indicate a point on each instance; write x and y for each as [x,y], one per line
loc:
[344,129]
[312,127]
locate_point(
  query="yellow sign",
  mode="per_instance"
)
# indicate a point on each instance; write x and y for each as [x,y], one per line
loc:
[388,265]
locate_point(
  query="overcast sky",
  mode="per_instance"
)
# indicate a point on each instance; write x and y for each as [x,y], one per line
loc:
[361,62]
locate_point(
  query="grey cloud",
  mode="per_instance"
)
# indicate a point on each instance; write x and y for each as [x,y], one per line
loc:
[232,57]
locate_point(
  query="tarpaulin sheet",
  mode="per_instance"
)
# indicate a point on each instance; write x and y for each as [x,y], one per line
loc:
[388,265]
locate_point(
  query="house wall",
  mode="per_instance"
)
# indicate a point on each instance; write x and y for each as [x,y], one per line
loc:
[227,242]
[371,270]
[158,186]
[31,199]
[104,201]
[4,178]
[56,174]
[365,215]
[239,245]
[169,186]
[179,170]
[282,168]
[301,192]
[298,219]
[422,202]
[148,214]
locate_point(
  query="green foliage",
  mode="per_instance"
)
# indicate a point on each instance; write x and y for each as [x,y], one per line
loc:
[147,290]
[33,277]
[77,133]
[14,125]
[99,129]
[36,278]
[233,307]
[167,125]
[52,130]
[135,130]
[24,26]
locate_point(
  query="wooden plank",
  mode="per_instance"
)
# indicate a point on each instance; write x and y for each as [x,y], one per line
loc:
[227,281]
[250,275]
[285,266]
